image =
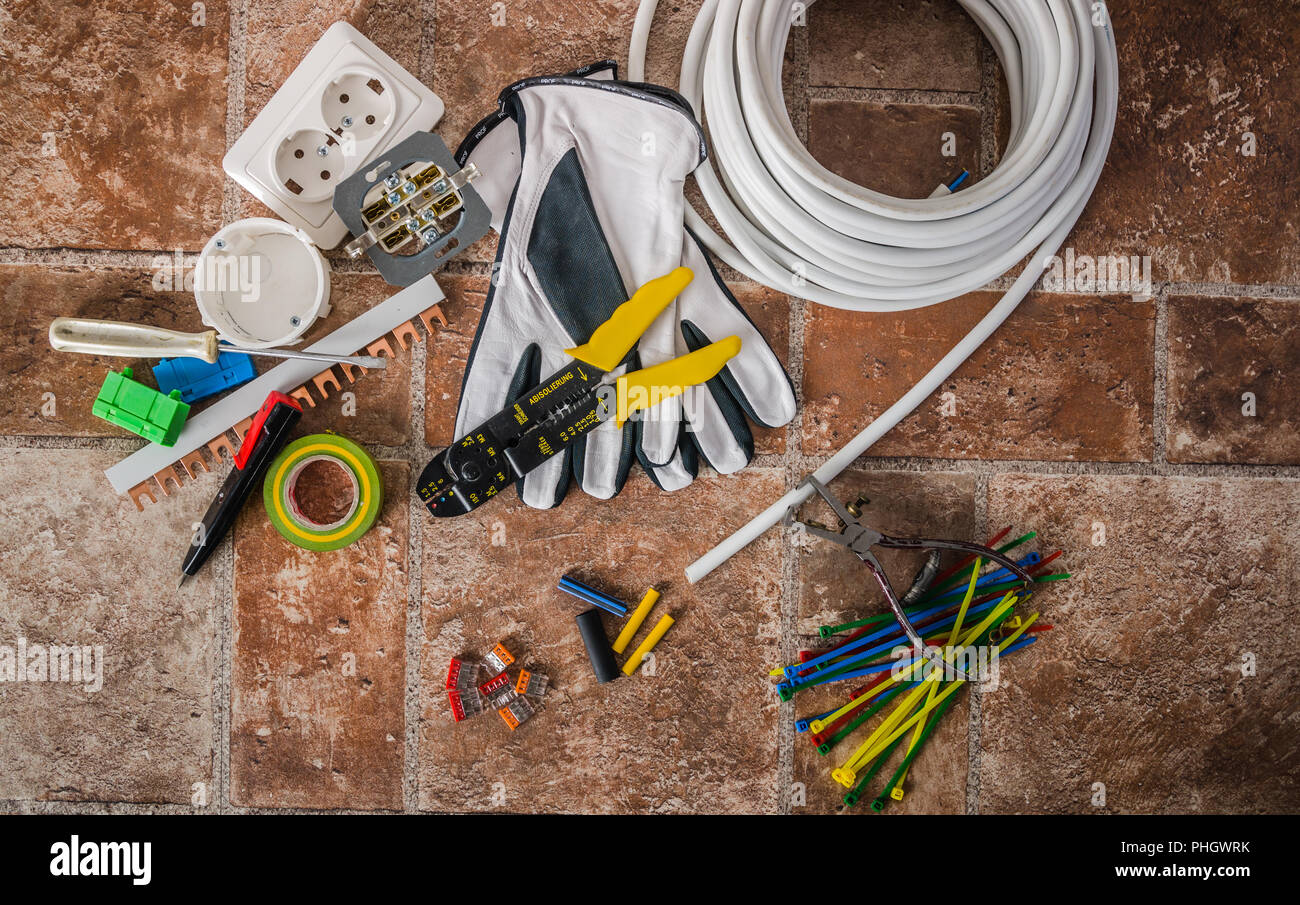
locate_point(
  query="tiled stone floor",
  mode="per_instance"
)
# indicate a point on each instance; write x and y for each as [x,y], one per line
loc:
[1119,427]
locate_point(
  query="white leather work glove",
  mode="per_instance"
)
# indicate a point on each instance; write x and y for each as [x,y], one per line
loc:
[588,211]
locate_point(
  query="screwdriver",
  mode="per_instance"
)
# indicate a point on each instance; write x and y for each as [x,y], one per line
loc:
[96,337]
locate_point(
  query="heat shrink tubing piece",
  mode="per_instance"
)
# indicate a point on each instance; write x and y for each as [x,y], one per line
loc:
[570,585]
[597,642]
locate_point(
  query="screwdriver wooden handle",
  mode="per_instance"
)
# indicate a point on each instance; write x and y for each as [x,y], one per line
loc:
[95,337]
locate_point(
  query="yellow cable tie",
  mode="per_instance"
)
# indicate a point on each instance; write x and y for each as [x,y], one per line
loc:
[911,746]
[970,593]
[865,752]
[944,695]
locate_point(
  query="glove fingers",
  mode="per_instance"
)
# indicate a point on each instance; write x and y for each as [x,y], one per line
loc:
[677,473]
[717,427]
[660,425]
[602,459]
[661,431]
[755,376]
[543,487]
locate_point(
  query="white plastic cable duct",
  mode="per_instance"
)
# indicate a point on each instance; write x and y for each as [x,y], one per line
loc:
[793,225]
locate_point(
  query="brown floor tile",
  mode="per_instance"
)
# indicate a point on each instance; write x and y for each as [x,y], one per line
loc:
[508,42]
[1219,350]
[281,32]
[445,362]
[768,309]
[1194,79]
[115,126]
[380,413]
[881,44]
[319,664]
[834,586]
[698,736]
[96,572]
[36,294]
[1140,685]
[904,156]
[32,295]
[1068,377]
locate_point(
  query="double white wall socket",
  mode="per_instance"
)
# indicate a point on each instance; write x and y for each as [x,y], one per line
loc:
[346,103]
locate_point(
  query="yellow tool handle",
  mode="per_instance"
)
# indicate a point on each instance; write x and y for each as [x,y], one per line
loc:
[95,337]
[634,661]
[642,389]
[615,338]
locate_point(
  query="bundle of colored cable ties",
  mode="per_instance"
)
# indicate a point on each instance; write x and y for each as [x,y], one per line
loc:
[967,615]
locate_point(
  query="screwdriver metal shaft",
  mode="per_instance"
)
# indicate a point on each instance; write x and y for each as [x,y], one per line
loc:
[96,337]
[364,361]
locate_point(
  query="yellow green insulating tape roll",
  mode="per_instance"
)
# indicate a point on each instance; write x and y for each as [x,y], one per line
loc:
[282,506]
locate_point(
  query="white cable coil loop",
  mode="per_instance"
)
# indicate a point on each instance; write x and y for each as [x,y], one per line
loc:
[800,228]
[797,227]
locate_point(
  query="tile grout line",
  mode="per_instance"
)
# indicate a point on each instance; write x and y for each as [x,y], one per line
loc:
[415,585]
[1160,375]
[790,566]
[975,725]
[798,59]
[803,464]
[123,258]
[990,120]
[417,447]
[230,207]
[892,96]
[1067,467]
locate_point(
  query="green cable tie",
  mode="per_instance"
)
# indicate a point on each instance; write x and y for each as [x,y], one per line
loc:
[882,799]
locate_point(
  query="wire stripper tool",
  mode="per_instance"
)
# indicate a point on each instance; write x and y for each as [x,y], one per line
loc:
[546,419]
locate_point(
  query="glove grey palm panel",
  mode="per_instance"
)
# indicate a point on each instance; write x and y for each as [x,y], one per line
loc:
[596,210]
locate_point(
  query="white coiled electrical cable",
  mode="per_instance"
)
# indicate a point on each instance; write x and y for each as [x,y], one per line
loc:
[797,227]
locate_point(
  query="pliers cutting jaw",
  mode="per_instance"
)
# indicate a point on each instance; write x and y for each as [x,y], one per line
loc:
[861,539]
[550,417]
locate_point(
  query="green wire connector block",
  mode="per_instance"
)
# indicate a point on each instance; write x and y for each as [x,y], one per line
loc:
[141,409]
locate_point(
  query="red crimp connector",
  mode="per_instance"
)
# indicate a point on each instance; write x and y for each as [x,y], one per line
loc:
[457,709]
[462,674]
[453,674]
[496,685]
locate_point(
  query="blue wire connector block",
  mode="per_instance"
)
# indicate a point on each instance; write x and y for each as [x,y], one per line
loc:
[196,379]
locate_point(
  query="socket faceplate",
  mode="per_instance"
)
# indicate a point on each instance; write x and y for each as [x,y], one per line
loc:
[351,96]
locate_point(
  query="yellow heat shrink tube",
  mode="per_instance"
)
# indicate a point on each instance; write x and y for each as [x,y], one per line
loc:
[634,622]
[634,661]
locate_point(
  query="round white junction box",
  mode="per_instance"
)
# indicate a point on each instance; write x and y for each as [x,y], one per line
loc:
[261,283]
